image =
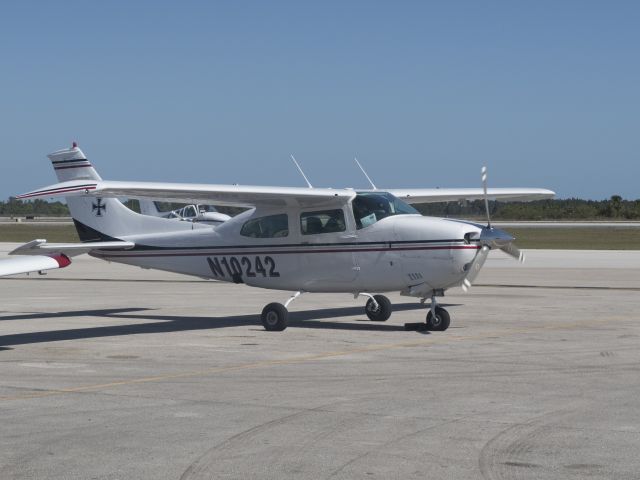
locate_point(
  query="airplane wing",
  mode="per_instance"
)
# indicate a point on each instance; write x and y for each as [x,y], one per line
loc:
[433,195]
[249,196]
[32,263]
[232,195]
[38,255]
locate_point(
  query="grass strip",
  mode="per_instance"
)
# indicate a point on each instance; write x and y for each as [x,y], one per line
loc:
[571,238]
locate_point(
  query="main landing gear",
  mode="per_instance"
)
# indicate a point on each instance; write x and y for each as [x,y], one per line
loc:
[275,316]
[378,308]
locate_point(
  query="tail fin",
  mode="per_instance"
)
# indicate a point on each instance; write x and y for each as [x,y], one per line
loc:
[103,219]
[71,164]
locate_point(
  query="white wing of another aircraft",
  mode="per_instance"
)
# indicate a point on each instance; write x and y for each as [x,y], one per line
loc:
[248,196]
[38,255]
[32,263]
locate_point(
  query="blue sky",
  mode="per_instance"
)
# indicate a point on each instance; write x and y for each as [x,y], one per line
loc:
[546,93]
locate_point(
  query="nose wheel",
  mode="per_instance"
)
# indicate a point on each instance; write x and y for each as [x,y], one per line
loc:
[438,322]
[438,319]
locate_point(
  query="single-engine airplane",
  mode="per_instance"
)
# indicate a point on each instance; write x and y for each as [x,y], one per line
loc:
[189,213]
[360,242]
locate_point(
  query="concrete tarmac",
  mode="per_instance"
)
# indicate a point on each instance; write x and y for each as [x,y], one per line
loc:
[113,372]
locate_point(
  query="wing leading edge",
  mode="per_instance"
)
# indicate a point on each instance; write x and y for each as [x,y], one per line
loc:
[251,196]
[433,195]
[232,195]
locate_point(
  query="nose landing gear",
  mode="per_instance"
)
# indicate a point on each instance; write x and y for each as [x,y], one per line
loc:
[438,319]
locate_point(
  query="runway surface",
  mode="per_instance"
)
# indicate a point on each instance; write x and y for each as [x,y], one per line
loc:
[113,372]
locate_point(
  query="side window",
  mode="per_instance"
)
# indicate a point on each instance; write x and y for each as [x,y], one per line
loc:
[324,221]
[272,226]
[190,212]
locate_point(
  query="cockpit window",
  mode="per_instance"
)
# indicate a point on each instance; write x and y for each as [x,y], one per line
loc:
[272,226]
[370,207]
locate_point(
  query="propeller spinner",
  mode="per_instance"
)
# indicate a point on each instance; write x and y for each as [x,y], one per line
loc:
[489,238]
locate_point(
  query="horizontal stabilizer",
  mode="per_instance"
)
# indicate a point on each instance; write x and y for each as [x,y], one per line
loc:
[33,263]
[40,247]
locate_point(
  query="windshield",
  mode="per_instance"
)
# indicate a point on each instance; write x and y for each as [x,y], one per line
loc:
[370,207]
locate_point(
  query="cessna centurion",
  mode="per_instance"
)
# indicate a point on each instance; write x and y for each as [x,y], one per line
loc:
[360,242]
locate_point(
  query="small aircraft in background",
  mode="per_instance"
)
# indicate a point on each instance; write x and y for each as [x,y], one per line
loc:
[360,242]
[190,213]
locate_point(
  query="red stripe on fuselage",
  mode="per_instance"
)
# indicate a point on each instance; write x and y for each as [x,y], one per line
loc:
[284,252]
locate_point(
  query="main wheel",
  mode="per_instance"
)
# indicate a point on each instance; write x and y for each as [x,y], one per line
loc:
[440,322]
[382,312]
[274,317]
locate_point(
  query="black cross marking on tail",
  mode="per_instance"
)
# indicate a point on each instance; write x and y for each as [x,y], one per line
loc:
[99,207]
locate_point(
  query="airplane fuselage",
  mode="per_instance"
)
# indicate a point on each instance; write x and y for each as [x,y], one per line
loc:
[409,253]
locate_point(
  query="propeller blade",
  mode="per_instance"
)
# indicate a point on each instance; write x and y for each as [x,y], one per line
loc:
[475,267]
[486,198]
[512,250]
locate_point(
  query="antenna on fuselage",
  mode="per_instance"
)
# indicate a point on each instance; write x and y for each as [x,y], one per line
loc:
[301,172]
[365,174]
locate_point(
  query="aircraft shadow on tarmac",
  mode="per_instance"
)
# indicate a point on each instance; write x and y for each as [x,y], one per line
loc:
[176,323]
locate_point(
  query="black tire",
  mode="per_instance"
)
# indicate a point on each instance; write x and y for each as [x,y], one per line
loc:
[441,321]
[274,317]
[380,314]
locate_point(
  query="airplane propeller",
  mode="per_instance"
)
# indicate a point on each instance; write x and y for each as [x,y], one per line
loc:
[489,238]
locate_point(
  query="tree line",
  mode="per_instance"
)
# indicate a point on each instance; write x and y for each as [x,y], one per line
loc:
[614,208]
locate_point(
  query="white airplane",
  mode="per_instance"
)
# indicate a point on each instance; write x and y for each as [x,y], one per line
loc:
[189,213]
[360,242]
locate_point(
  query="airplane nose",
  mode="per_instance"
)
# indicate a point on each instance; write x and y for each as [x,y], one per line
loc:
[494,238]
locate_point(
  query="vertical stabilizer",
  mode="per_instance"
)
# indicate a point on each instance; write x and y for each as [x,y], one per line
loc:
[103,219]
[71,164]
